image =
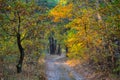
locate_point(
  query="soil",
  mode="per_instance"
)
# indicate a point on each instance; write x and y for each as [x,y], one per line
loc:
[56,69]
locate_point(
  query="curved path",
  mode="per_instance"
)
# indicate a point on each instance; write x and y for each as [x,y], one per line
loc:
[57,70]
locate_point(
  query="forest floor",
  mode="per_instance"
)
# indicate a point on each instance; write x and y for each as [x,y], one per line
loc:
[61,68]
[89,71]
[51,67]
[33,68]
[56,69]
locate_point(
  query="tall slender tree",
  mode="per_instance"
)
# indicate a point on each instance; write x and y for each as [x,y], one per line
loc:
[19,20]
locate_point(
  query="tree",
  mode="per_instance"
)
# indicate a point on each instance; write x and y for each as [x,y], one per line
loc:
[19,20]
[93,29]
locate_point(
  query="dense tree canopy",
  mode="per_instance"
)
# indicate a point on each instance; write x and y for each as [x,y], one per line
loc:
[85,29]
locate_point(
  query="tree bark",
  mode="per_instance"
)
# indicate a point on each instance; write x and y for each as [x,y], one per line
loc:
[52,46]
[19,65]
[66,48]
[59,49]
[55,45]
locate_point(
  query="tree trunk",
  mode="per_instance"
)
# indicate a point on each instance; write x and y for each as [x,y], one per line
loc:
[19,65]
[55,45]
[52,46]
[66,48]
[59,49]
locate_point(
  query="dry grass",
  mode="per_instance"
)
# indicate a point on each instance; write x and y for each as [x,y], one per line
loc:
[88,70]
[33,69]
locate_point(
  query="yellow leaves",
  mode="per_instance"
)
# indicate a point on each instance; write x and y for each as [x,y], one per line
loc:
[76,50]
[77,21]
[85,35]
[60,12]
[23,34]
[80,22]
[63,2]
[71,41]
[8,7]
[12,15]
[34,24]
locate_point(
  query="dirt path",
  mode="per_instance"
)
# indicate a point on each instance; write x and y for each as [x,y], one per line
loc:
[57,70]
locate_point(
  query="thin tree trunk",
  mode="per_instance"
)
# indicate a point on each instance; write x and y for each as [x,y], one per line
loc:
[21,50]
[55,45]
[66,48]
[59,49]
[52,46]
[19,65]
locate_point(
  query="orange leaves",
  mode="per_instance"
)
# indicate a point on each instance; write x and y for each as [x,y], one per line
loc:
[60,12]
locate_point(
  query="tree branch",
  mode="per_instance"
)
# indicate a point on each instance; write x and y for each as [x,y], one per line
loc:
[19,21]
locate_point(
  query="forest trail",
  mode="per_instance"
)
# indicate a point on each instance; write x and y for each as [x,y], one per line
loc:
[58,70]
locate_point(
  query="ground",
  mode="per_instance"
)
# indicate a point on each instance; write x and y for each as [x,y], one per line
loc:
[51,67]
[62,68]
[56,69]
[33,68]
